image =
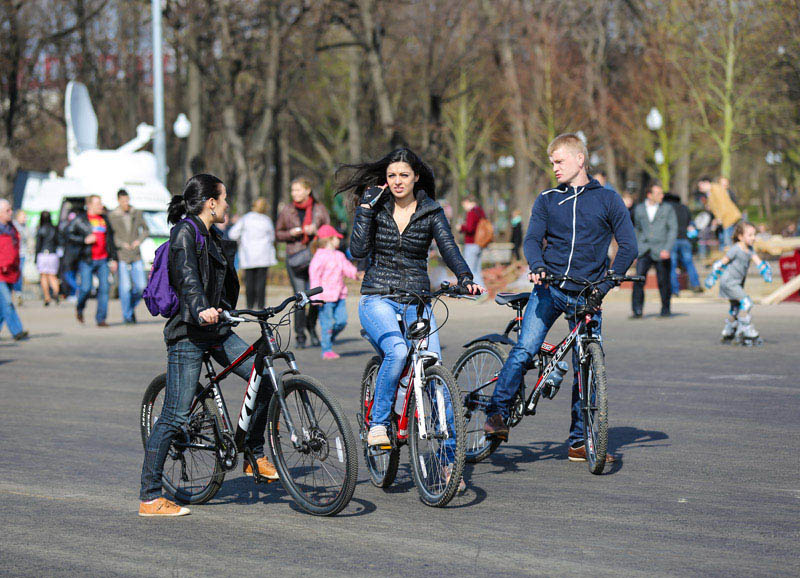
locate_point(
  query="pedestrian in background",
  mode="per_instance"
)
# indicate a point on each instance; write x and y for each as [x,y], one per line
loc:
[93,239]
[516,233]
[297,224]
[9,271]
[47,258]
[472,250]
[256,254]
[328,269]
[724,209]
[68,267]
[656,231]
[130,230]
[21,224]
[681,255]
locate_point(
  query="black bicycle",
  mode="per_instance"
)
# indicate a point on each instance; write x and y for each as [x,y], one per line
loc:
[421,417]
[477,369]
[308,435]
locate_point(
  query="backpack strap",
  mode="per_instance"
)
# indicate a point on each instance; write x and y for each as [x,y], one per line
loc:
[198,237]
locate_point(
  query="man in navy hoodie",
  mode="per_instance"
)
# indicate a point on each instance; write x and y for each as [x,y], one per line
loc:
[578,218]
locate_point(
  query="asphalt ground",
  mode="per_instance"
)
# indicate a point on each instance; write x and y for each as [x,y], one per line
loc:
[707,483]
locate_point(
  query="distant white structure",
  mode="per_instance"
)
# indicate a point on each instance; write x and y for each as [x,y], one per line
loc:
[92,171]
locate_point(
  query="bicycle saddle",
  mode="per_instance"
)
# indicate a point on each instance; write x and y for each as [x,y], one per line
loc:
[513,299]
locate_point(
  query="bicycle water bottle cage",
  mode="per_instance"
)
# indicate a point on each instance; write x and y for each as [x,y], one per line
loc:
[418,329]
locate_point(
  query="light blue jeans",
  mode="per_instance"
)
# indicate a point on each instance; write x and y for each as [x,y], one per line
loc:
[472,255]
[546,304]
[18,285]
[86,269]
[332,321]
[131,287]
[682,257]
[7,311]
[379,319]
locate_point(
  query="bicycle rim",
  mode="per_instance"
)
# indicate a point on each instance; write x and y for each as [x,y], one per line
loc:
[478,365]
[595,410]
[382,464]
[321,474]
[437,462]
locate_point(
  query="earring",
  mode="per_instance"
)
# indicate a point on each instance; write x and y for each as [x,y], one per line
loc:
[213,214]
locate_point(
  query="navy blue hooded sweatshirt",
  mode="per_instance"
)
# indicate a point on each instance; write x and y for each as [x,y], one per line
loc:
[578,223]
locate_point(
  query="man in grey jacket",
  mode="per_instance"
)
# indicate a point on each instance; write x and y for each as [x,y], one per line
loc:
[656,231]
[130,230]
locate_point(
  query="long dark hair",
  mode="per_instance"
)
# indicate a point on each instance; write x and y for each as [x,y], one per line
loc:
[197,191]
[355,179]
[45,220]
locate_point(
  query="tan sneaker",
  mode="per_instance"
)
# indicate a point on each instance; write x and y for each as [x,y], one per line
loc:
[265,468]
[377,436]
[162,507]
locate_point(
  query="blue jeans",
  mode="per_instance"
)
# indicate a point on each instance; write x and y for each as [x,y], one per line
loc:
[379,319]
[546,304]
[332,320]
[184,364]
[472,255]
[7,311]
[86,269]
[727,237]
[682,257]
[18,285]
[131,287]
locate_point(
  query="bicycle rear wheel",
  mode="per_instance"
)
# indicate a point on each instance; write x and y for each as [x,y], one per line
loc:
[192,473]
[382,464]
[595,408]
[320,474]
[437,462]
[474,372]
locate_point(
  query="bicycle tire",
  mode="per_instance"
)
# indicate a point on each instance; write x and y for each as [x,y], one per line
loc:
[468,374]
[427,467]
[313,462]
[382,466]
[595,409]
[190,475]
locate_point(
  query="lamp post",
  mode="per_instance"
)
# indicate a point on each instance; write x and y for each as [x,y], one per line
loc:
[159,135]
[182,127]
[655,122]
[773,159]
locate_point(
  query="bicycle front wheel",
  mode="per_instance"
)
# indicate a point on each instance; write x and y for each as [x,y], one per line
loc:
[192,473]
[475,372]
[595,408]
[319,469]
[382,464]
[437,460]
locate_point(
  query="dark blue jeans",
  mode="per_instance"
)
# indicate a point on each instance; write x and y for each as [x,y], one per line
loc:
[682,257]
[86,269]
[546,304]
[184,364]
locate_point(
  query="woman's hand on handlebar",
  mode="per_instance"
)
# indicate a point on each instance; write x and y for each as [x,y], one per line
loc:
[474,288]
[210,316]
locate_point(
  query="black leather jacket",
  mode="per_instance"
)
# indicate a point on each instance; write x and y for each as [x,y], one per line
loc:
[202,279]
[401,261]
[46,239]
[77,231]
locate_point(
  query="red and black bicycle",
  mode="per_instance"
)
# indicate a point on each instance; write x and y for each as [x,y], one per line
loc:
[308,435]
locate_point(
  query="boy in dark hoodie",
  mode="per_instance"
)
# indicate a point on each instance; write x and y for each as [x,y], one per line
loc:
[577,218]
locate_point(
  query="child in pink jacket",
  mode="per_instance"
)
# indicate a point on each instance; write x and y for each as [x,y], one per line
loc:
[328,269]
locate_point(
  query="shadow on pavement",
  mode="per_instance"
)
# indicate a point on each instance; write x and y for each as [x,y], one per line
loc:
[363,507]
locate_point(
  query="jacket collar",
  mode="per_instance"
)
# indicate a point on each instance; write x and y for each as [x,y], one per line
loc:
[425,205]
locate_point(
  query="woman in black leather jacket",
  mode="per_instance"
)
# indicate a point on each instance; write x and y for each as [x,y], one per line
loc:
[395,228]
[205,281]
[47,257]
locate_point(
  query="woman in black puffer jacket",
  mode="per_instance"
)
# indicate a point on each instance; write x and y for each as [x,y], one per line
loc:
[395,228]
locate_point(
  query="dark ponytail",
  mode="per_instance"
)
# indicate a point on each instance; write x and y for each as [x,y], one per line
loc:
[197,191]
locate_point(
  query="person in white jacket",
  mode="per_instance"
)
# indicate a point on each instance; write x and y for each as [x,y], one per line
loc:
[256,236]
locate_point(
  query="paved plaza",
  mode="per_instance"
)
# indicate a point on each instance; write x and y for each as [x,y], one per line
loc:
[708,483]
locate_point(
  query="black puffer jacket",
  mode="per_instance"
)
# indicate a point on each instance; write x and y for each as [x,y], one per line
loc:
[401,261]
[202,278]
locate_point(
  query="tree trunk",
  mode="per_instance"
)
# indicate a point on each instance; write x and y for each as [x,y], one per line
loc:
[193,162]
[353,98]
[237,148]
[375,63]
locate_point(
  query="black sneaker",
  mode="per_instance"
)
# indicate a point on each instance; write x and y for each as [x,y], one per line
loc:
[495,426]
[21,336]
[314,339]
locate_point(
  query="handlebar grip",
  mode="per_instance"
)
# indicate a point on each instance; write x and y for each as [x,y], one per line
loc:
[314,291]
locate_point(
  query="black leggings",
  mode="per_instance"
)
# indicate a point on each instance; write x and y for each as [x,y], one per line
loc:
[304,319]
[255,284]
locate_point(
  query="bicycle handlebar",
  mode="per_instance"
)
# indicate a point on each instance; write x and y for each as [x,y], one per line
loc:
[610,276]
[446,289]
[302,297]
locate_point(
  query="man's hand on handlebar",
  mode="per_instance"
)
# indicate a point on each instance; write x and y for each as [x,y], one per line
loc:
[537,276]
[210,316]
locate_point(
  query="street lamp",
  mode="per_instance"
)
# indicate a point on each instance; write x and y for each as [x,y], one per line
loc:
[654,120]
[580,134]
[658,156]
[182,127]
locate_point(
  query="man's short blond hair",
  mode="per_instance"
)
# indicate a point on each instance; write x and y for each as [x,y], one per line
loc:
[569,141]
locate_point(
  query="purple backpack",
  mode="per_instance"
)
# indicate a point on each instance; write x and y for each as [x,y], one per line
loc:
[159,296]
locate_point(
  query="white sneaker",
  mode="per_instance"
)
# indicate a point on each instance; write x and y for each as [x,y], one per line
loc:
[378,437]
